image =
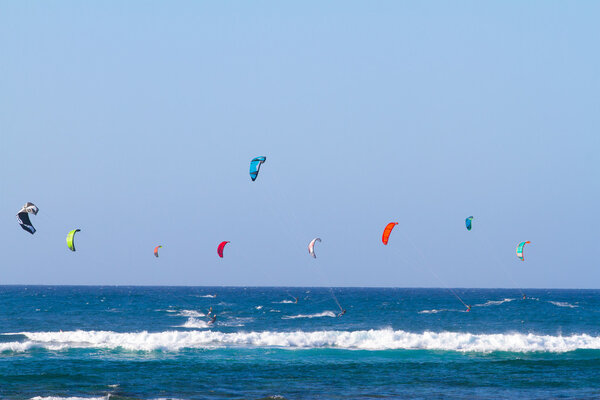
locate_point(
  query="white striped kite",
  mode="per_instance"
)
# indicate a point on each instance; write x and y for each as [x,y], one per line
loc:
[23,216]
[311,247]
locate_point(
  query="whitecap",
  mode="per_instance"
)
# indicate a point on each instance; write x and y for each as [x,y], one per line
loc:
[190,313]
[562,304]
[381,339]
[195,323]
[493,303]
[318,315]
[68,398]
[236,321]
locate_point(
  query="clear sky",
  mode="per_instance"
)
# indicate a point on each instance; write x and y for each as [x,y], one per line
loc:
[136,122]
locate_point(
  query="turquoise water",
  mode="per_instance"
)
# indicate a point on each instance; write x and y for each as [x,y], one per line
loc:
[155,342]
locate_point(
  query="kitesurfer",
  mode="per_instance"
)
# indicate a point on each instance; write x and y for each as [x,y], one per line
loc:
[213,319]
[468,308]
[524,297]
[209,312]
[295,300]
[342,313]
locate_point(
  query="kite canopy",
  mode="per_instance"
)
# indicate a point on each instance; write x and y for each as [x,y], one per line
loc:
[23,216]
[255,166]
[468,222]
[156,251]
[311,247]
[520,250]
[387,231]
[221,247]
[71,239]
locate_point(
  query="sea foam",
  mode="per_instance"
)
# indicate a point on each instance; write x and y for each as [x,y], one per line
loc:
[194,323]
[382,339]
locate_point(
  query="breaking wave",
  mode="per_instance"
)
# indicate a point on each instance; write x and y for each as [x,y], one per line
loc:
[318,315]
[434,311]
[195,323]
[190,313]
[68,398]
[383,339]
[493,303]
[562,304]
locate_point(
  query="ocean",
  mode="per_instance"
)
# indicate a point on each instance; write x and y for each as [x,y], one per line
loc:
[99,342]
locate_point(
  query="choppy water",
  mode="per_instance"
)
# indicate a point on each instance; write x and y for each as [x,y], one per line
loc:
[151,343]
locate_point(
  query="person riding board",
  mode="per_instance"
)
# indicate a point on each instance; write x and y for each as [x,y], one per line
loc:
[342,313]
[213,319]
[209,312]
[468,308]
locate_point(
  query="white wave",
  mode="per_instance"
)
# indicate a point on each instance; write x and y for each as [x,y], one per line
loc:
[190,313]
[195,323]
[493,303]
[68,398]
[284,302]
[384,339]
[434,311]
[319,315]
[258,307]
[274,311]
[167,398]
[236,321]
[562,304]
[209,296]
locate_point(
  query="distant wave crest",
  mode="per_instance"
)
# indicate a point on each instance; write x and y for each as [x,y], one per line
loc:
[68,398]
[493,303]
[383,339]
[190,313]
[562,304]
[330,314]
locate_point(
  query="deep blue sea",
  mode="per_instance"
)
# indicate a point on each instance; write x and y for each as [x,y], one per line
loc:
[156,343]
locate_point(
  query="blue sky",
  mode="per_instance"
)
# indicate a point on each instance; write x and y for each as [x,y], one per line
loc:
[136,122]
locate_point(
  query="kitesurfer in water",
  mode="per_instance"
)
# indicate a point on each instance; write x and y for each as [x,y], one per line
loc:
[295,300]
[468,308]
[213,319]
[524,297]
[342,313]
[209,312]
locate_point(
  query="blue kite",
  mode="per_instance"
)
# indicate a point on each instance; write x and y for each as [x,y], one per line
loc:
[255,166]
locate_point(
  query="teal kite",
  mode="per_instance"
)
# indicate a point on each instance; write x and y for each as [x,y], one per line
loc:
[255,166]
[468,222]
[520,250]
